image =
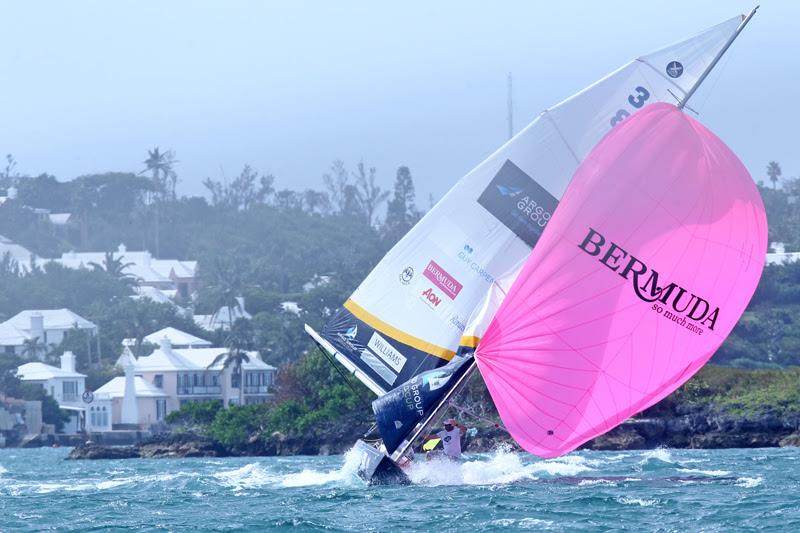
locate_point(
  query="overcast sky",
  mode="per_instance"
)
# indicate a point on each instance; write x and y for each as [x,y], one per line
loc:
[290,86]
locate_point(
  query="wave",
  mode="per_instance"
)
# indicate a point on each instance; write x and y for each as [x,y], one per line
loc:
[704,472]
[749,482]
[642,502]
[501,467]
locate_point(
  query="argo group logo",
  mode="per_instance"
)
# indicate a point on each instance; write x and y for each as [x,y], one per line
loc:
[521,204]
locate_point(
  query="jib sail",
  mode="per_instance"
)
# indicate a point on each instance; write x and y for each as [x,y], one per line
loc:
[437,289]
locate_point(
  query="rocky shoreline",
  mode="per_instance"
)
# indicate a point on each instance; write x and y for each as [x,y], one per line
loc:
[697,429]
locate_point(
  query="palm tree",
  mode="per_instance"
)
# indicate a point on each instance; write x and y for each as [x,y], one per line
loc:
[31,348]
[238,342]
[115,268]
[774,173]
[164,180]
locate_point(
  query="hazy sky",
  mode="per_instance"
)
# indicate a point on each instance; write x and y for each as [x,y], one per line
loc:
[290,86]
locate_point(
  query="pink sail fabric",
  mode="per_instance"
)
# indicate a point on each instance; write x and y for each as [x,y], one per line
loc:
[646,266]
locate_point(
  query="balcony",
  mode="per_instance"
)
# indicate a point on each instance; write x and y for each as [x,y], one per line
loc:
[256,389]
[200,391]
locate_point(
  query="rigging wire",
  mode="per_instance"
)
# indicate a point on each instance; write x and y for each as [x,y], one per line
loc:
[344,377]
[469,412]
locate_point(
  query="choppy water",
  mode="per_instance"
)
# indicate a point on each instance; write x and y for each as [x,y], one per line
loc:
[660,490]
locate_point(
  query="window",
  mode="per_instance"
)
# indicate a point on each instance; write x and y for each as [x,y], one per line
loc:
[104,417]
[69,390]
[158,381]
[235,380]
[215,380]
[195,380]
[161,409]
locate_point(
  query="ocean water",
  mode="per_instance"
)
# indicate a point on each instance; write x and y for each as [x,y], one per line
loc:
[658,490]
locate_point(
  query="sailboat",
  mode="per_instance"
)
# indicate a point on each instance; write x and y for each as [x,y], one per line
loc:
[587,268]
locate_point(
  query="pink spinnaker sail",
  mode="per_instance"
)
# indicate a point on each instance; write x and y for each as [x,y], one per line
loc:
[646,266]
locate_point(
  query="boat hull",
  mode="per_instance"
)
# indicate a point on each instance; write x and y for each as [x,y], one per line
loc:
[376,468]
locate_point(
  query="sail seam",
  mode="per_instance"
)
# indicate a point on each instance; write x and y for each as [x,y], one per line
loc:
[546,113]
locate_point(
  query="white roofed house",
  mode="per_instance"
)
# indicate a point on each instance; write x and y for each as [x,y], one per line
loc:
[135,403]
[23,257]
[224,317]
[47,326]
[175,278]
[65,385]
[177,338]
[196,374]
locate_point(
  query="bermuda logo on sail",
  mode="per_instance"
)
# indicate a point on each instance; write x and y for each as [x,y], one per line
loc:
[646,286]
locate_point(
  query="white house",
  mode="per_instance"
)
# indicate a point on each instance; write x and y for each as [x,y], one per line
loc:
[224,317]
[780,256]
[21,255]
[191,374]
[64,385]
[177,338]
[162,274]
[134,401]
[47,325]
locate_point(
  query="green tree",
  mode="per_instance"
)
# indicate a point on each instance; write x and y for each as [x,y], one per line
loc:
[238,341]
[774,173]
[401,213]
[160,165]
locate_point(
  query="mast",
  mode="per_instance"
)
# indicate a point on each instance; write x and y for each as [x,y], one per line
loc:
[716,59]
[510,110]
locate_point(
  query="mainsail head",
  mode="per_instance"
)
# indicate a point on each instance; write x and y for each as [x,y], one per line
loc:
[652,256]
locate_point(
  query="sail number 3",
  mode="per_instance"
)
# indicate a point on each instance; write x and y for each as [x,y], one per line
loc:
[637,100]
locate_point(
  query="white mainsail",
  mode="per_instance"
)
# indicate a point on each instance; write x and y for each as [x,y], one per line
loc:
[438,287]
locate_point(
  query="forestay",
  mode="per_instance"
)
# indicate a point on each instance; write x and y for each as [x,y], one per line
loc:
[440,285]
[650,260]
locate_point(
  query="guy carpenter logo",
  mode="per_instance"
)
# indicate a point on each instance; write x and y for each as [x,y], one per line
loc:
[442,280]
[466,255]
[674,69]
[647,288]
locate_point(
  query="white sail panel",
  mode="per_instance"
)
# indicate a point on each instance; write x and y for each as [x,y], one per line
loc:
[431,292]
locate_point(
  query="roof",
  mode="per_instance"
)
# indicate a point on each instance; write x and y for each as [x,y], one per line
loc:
[157,295]
[192,359]
[782,258]
[116,388]
[223,318]
[42,372]
[176,337]
[11,336]
[19,253]
[142,265]
[53,319]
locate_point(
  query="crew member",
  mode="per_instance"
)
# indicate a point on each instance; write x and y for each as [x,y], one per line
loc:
[451,438]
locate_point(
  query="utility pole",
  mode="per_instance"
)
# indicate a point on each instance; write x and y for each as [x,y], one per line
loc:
[510,110]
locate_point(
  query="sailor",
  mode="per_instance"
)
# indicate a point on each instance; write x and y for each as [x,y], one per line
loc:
[451,438]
